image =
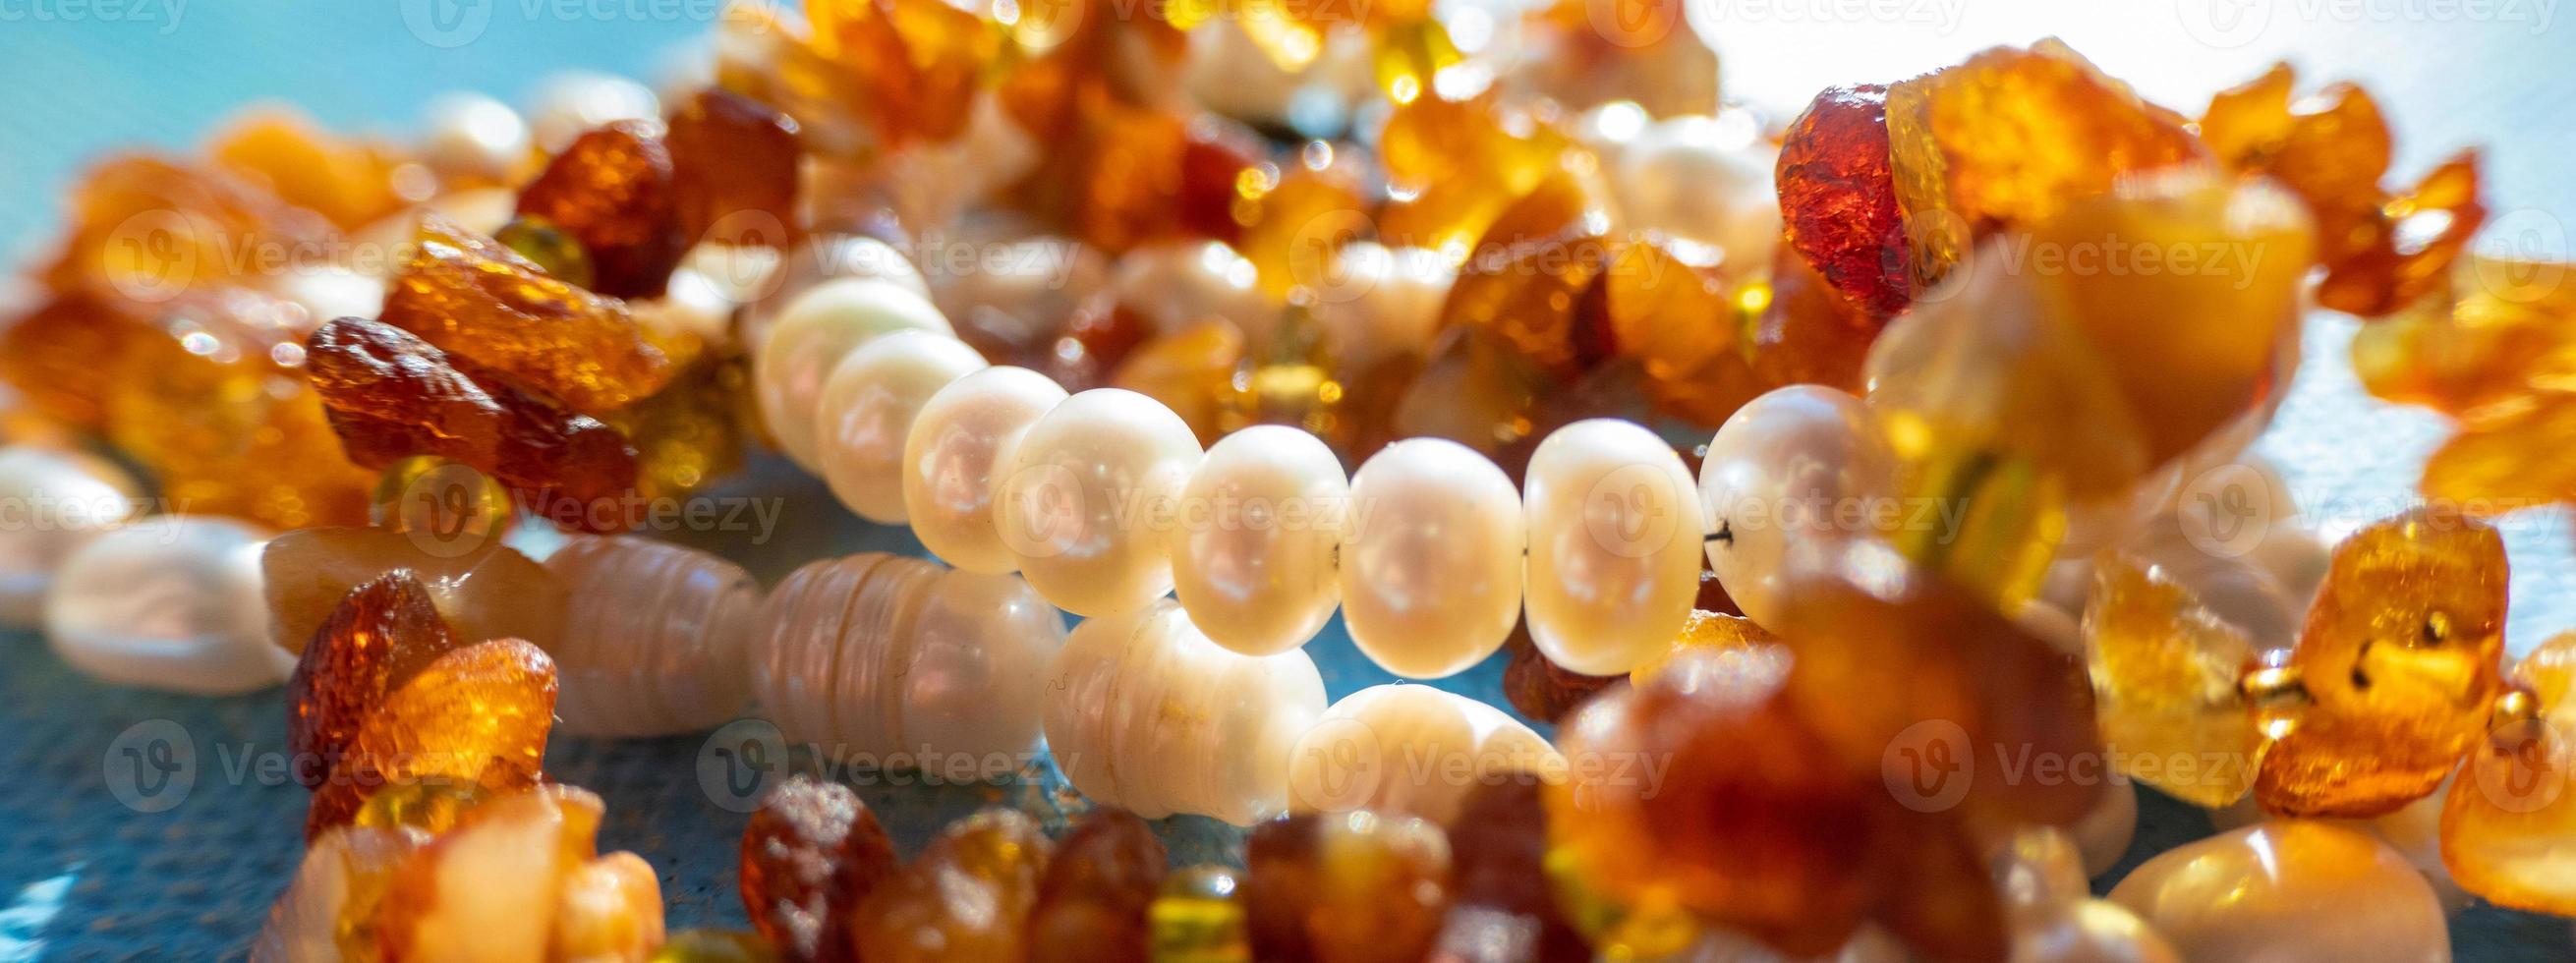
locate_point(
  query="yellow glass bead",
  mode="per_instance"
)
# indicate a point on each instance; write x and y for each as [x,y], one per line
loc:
[447,503]
[2165,673]
[549,247]
[1199,919]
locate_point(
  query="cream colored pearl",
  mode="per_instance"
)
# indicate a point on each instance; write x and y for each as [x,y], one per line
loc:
[1252,553]
[653,641]
[818,260]
[1784,469]
[953,460]
[1412,749]
[1385,302]
[1614,545]
[2089,931]
[1701,179]
[572,102]
[1177,286]
[1431,569]
[1146,714]
[51,504]
[2104,834]
[2288,891]
[475,135]
[813,334]
[1089,490]
[868,407]
[168,602]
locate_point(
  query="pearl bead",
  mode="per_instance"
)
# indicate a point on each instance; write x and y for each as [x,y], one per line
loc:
[822,258]
[1431,570]
[1177,286]
[1387,302]
[2089,931]
[868,407]
[1146,713]
[1089,487]
[1688,178]
[2103,835]
[653,639]
[2288,890]
[1252,557]
[1614,545]
[54,503]
[953,458]
[1782,469]
[168,603]
[813,334]
[572,102]
[477,136]
[1413,750]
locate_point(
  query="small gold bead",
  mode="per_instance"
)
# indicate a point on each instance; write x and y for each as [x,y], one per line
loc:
[2276,694]
[2513,707]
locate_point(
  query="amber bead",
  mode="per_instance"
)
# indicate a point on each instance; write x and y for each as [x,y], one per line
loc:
[443,502]
[483,590]
[1644,52]
[1667,306]
[918,61]
[479,300]
[810,855]
[2498,330]
[714,946]
[148,229]
[693,434]
[431,807]
[2508,814]
[966,899]
[2164,676]
[1711,633]
[1346,888]
[1537,288]
[1805,331]
[352,183]
[330,910]
[2010,136]
[1191,372]
[734,170]
[1199,918]
[1505,910]
[392,395]
[2400,658]
[1099,890]
[51,356]
[2504,456]
[612,191]
[1295,224]
[1133,175]
[478,714]
[1461,163]
[1838,203]
[1541,689]
[519,878]
[380,635]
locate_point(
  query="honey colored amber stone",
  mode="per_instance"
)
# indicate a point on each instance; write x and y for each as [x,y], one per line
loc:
[1346,888]
[330,910]
[1296,221]
[1791,862]
[734,170]
[966,899]
[919,61]
[354,184]
[693,434]
[484,589]
[1806,331]
[1462,163]
[1130,175]
[1541,689]
[1191,372]
[2508,815]
[431,807]
[392,395]
[2164,672]
[1097,339]
[609,908]
[1732,637]
[2006,139]
[612,191]
[443,502]
[1944,905]
[1477,389]
[1098,892]
[2401,656]
[476,299]
[714,946]
[1645,52]
[1838,203]
[810,855]
[2501,330]
[148,229]
[376,637]
[1539,297]
[1668,308]
[2507,456]
[1199,918]
[51,355]
[478,714]
[550,248]
[1505,908]
[520,876]
[2332,148]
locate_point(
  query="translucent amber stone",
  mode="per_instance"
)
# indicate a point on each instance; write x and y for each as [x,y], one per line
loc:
[810,855]
[612,191]
[519,879]
[2381,251]
[51,355]
[966,899]
[329,911]
[1505,908]
[1712,633]
[2495,464]
[694,433]
[375,639]
[431,807]
[552,249]
[1098,894]
[2501,330]
[148,229]
[1191,372]
[1805,331]
[353,184]
[479,300]
[918,61]
[1668,307]
[2164,678]
[1294,226]
[443,502]
[734,170]
[1346,888]
[1461,163]
[2401,658]
[1541,689]
[2288,890]
[1838,201]
[1198,918]
[484,591]
[1643,52]
[477,714]
[2506,824]
[2007,138]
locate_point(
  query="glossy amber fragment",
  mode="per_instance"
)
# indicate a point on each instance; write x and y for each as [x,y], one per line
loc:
[1668,308]
[1537,291]
[691,435]
[733,170]
[1505,907]
[446,503]
[1094,903]
[1838,204]
[1346,887]
[2506,821]
[1541,689]
[392,395]
[1716,633]
[51,354]
[431,807]
[330,910]
[810,855]
[2502,329]
[376,637]
[1461,163]
[918,61]
[352,183]
[1191,371]
[2507,456]
[2382,251]
[966,899]
[1806,331]
[484,590]
[1293,225]
[2400,656]
[477,714]
[519,878]
[550,248]
[612,191]
[2008,138]
[2165,673]
[1129,175]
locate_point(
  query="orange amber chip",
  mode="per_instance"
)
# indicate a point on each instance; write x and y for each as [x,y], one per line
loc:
[1838,199]
[147,229]
[2500,330]
[810,855]
[734,170]
[1098,889]
[478,714]
[2509,813]
[354,184]
[920,61]
[963,899]
[612,191]
[378,636]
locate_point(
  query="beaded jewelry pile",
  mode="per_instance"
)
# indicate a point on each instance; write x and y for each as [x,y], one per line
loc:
[1798,467]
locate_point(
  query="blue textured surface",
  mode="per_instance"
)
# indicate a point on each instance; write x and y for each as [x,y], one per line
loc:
[188,872]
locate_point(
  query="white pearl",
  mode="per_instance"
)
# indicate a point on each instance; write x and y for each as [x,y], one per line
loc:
[1089,489]
[818,260]
[1690,178]
[2288,891]
[868,407]
[51,504]
[1146,714]
[1385,302]
[2089,931]
[1177,286]
[572,102]
[469,133]
[1780,471]
[954,457]
[1411,749]
[1252,555]
[813,334]
[1614,545]
[653,639]
[975,688]
[168,603]
[1431,570]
